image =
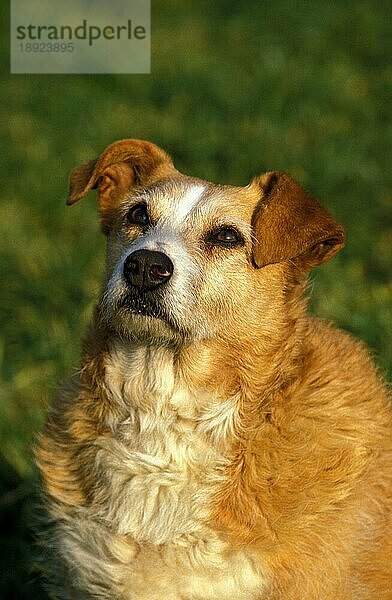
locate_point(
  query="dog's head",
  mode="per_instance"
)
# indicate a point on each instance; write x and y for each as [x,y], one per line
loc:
[188,259]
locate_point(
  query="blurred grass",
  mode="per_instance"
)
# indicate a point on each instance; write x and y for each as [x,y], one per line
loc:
[235,89]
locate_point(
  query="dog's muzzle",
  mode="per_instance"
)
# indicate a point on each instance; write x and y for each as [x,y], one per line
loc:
[147,269]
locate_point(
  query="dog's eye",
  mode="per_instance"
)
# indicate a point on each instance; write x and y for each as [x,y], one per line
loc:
[138,215]
[225,236]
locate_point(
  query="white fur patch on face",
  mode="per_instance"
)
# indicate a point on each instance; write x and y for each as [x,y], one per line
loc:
[187,202]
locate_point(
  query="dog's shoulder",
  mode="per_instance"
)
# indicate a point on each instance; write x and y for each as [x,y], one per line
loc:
[339,370]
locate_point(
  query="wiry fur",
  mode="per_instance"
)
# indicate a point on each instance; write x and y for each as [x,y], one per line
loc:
[229,446]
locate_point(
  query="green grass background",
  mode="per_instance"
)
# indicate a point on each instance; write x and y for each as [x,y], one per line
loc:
[236,88]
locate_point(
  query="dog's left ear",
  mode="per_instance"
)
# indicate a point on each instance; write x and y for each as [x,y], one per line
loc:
[289,224]
[121,167]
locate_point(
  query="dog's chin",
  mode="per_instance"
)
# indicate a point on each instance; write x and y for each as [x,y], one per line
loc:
[144,318]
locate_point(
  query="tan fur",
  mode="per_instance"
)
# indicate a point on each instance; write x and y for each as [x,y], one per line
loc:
[231,446]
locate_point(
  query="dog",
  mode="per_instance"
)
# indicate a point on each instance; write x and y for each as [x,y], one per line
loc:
[218,442]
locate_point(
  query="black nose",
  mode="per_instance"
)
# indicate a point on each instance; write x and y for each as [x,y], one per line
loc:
[146,269]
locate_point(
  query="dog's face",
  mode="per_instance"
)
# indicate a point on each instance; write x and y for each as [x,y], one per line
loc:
[180,260]
[191,260]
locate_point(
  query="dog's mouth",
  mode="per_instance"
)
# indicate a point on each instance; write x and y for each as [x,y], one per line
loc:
[144,304]
[134,311]
[151,308]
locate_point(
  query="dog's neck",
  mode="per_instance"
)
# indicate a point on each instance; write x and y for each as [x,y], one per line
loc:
[186,378]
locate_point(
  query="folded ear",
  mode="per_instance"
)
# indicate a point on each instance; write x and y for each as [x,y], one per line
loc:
[290,225]
[122,166]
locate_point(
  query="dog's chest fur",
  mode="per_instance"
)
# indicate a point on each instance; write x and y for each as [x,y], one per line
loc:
[157,473]
[158,463]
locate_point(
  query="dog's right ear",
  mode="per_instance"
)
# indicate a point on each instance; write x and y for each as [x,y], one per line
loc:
[291,225]
[122,166]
